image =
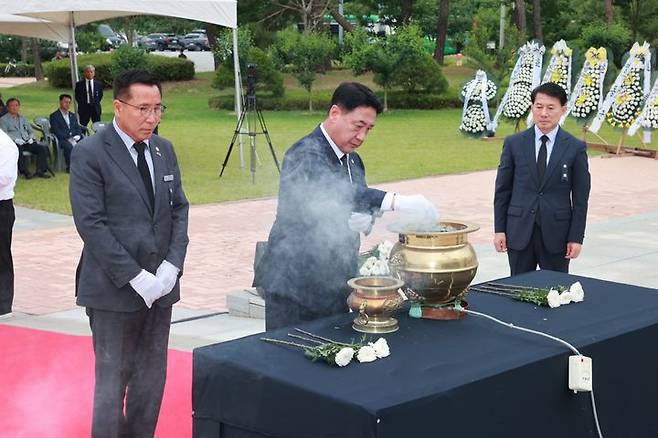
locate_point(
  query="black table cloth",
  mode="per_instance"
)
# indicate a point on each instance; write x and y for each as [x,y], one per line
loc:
[463,378]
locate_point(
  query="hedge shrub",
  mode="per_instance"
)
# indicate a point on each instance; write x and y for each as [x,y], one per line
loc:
[18,70]
[167,69]
[321,101]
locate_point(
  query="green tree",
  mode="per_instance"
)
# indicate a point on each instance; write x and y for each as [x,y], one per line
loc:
[126,58]
[615,37]
[304,56]
[498,62]
[398,59]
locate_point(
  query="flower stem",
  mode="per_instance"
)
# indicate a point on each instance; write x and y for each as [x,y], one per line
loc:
[292,344]
[305,338]
[323,338]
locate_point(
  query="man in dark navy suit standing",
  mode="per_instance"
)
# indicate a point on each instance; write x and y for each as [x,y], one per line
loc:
[542,190]
[88,95]
[324,203]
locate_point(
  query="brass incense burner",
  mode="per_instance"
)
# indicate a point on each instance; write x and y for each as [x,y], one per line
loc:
[436,266]
[375,299]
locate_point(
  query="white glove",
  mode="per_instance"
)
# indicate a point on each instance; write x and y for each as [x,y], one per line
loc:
[360,223]
[167,274]
[148,286]
[76,137]
[417,209]
[19,142]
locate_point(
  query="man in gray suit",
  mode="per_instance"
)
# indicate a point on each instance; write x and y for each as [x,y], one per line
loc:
[542,190]
[131,213]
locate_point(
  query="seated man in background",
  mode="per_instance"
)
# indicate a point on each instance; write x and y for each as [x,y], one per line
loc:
[64,124]
[19,129]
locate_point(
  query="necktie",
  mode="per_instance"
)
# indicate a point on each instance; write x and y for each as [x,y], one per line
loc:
[541,158]
[143,168]
[345,165]
[89,91]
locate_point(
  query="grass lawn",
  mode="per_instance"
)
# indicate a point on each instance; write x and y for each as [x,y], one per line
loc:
[404,144]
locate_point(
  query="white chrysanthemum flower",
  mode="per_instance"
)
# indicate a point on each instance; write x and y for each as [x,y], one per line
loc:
[384,249]
[565,297]
[577,292]
[344,356]
[381,348]
[553,298]
[366,354]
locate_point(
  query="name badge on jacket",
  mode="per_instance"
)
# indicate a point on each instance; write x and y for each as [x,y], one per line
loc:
[168,178]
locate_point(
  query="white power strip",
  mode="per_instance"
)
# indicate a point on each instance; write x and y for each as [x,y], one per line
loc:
[580,373]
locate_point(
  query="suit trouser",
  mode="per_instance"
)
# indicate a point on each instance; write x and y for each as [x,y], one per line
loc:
[66,148]
[7,218]
[37,149]
[282,311]
[87,112]
[131,364]
[527,259]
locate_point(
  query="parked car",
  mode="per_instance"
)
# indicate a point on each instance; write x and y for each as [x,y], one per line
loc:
[159,41]
[194,42]
[112,39]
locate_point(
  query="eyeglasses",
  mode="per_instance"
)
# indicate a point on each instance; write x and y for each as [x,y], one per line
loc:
[145,111]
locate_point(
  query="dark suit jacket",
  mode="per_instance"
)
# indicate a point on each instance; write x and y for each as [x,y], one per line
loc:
[121,233]
[81,97]
[561,197]
[61,129]
[311,251]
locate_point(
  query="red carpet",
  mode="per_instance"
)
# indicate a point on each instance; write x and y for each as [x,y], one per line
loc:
[47,382]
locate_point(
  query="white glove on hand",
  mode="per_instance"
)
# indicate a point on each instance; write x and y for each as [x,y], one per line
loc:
[360,223]
[19,141]
[167,274]
[148,286]
[418,210]
[76,137]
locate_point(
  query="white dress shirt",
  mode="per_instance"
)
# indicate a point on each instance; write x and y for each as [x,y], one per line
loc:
[8,166]
[129,142]
[549,144]
[65,114]
[388,198]
[89,87]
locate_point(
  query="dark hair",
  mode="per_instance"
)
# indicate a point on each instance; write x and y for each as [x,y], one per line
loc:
[550,89]
[124,80]
[12,99]
[351,95]
[62,96]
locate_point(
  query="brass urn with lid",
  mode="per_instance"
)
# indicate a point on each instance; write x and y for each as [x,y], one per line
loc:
[436,266]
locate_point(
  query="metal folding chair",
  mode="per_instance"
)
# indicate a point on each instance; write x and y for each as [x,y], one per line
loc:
[42,124]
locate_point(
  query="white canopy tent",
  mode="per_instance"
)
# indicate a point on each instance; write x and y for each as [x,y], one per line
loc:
[70,13]
[32,27]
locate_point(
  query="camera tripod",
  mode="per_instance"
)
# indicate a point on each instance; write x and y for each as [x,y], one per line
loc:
[252,114]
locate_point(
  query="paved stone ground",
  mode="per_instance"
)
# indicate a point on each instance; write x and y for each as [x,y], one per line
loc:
[223,236]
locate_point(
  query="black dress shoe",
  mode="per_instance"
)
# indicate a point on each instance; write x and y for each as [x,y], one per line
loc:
[27,175]
[42,175]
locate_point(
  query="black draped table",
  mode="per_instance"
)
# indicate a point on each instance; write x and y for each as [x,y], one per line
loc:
[464,378]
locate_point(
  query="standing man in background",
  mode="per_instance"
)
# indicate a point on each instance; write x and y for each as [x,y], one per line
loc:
[88,95]
[131,213]
[8,175]
[542,190]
